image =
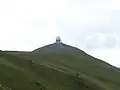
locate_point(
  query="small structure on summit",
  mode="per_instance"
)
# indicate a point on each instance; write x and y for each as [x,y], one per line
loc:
[57,46]
[58,39]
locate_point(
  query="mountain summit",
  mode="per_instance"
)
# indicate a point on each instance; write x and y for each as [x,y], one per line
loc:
[56,67]
[58,46]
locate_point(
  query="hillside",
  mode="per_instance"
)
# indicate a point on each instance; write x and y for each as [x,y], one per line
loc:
[56,67]
[22,74]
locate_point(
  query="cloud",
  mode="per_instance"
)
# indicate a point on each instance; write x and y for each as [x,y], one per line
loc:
[99,41]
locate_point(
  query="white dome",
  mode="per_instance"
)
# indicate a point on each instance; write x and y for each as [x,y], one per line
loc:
[58,39]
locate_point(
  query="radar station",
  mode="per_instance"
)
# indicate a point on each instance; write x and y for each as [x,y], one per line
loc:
[58,39]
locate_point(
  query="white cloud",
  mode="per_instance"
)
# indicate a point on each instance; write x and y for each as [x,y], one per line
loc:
[7,7]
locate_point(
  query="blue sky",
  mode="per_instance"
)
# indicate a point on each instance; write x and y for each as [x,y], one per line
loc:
[91,25]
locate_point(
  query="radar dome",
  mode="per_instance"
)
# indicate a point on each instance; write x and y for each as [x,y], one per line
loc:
[58,39]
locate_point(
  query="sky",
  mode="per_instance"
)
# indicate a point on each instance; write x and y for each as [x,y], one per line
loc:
[90,25]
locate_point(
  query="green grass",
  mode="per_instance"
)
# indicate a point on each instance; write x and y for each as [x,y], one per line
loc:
[57,71]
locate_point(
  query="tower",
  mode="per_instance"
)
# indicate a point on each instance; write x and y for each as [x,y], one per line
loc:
[58,39]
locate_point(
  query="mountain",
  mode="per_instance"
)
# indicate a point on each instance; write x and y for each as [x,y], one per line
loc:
[56,67]
[57,47]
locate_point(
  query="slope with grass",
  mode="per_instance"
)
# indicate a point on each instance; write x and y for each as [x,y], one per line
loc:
[56,67]
[19,73]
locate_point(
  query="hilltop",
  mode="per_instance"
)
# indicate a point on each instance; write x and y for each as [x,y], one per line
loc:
[56,67]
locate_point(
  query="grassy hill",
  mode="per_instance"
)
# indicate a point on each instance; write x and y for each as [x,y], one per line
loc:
[73,70]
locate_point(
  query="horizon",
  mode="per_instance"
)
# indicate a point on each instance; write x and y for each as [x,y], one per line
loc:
[60,42]
[91,25]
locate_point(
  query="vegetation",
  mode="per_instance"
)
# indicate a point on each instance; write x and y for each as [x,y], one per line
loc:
[56,71]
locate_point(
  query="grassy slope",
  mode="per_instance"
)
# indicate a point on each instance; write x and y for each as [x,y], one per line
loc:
[18,72]
[95,71]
